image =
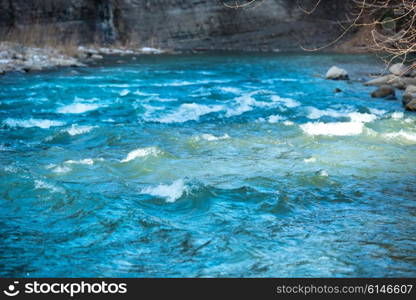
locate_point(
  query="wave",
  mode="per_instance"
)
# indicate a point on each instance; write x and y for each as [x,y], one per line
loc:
[124,92]
[86,161]
[397,115]
[60,169]
[44,124]
[142,152]
[333,129]
[211,137]
[362,117]
[77,108]
[275,119]
[231,90]
[188,112]
[310,160]
[408,136]
[39,184]
[377,112]
[185,83]
[247,103]
[77,129]
[314,113]
[170,193]
[288,123]
[193,111]
[288,102]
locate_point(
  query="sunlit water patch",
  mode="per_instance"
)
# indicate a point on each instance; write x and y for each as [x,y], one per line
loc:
[208,165]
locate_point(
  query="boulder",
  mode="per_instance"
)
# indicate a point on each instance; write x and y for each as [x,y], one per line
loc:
[379,81]
[384,91]
[413,70]
[395,81]
[399,69]
[411,105]
[409,94]
[336,73]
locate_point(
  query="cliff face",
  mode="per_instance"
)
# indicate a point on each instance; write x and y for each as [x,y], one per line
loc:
[180,24]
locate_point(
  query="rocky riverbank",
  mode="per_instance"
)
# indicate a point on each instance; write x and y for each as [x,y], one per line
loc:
[400,77]
[19,58]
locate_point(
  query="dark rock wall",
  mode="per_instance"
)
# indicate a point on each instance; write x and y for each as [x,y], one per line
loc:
[181,24]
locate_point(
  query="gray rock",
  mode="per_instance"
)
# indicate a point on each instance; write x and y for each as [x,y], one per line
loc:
[335,73]
[411,106]
[399,69]
[409,94]
[379,81]
[384,91]
[20,58]
[395,81]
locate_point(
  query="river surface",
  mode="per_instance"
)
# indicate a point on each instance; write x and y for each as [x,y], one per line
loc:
[236,165]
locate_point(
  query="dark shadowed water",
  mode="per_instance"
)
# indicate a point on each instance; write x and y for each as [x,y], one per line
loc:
[209,165]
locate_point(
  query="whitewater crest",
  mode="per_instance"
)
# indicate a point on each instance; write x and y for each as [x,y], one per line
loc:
[407,136]
[315,113]
[188,112]
[78,129]
[86,161]
[44,124]
[77,108]
[210,137]
[142,152]
[40,184]
[247,102]
[333,129]
[170,193]
[354,127]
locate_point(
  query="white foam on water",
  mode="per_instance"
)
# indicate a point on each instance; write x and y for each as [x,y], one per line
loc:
[178,83]
[275,119]
[118,85]
[232,90]
[314,113]
[77,108]
[310,160]
[140,93]
[44,124]
[288,102]
[189,112]
[211,137]
[61,169]
[142,152]
[362,117]
[408,136]
[288,123]
[86,161]
[124,92]
[323,173]
[378,112]
[39,184]
[77,129]
[158,99]
[397,115]
[246,103]
[170,193]
[333,129]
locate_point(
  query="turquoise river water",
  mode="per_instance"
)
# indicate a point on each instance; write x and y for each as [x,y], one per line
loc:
[220,165]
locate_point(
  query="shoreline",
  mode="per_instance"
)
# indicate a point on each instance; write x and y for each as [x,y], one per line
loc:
[16,57]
